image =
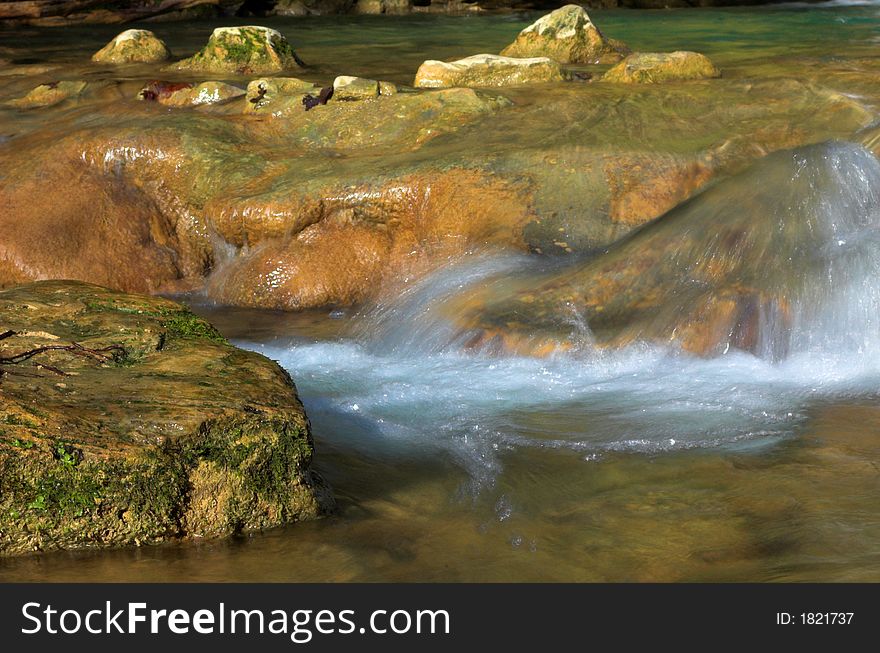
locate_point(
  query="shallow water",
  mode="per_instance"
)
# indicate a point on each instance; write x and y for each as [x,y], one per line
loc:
[642,464]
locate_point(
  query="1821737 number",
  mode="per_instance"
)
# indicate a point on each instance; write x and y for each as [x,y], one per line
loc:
[815,618]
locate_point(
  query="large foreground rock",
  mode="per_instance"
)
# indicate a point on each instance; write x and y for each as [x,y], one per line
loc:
[485,70]
[139,423]
[654,67]
[243,50]
[566,35]
[133,46]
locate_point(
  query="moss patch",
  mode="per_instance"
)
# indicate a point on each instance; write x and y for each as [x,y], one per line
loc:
[181,436]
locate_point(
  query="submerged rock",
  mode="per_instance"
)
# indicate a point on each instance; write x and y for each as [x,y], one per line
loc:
[653,67]
[485,70]
[46,95]
[141,425]
[566,35]
[133,46]
[185,95]
[243,50]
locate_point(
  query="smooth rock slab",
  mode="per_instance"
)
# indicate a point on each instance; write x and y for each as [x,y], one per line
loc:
[133,46]
[654,67]
[164,431]
[566,35]
[263,94]
[485,70]
[243,50]
[354,88]
[46,95]
[186,95]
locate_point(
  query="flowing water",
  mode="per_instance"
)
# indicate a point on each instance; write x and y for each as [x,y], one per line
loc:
[639,461]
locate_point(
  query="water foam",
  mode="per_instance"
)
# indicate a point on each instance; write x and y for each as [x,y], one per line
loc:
[404,386]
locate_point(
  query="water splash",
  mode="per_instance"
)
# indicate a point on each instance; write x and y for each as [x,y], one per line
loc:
[808,233]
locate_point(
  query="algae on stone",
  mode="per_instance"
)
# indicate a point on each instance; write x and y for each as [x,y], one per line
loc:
[243,50]
[133,46]
[163,431]
[488,70]
[566,35]
[654,67]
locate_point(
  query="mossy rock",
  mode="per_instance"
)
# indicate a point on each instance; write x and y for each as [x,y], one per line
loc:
[243,50]
[488,70]
[566,35]
[143,425]
[133,46]
[654,67]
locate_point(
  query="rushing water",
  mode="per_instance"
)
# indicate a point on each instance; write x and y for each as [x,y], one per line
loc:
[635,463]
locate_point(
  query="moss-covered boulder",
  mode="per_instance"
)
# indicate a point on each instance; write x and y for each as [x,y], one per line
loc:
[243,50]
[133,46]
[126,419]
[654,67]
[188,95]
[47,95]
[485,70]
[566,35]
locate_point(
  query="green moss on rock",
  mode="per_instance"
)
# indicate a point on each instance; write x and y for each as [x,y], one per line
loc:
[566,35]
[191,437]
[243,50]
[133,46]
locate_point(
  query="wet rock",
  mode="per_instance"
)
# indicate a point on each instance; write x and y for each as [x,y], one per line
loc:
[740,266]
[355,88]
[485,70]
[387,88]
[98,230]
[185,95]
[265,94]
[373,234]
[566,35]
[161,203]
[311,7]
[243,50]
[46,95]
[133,46]
[391,7]
[654,67]
[219,442]
[346,126]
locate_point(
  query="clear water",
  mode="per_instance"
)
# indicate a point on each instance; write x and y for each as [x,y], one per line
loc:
[636,464]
